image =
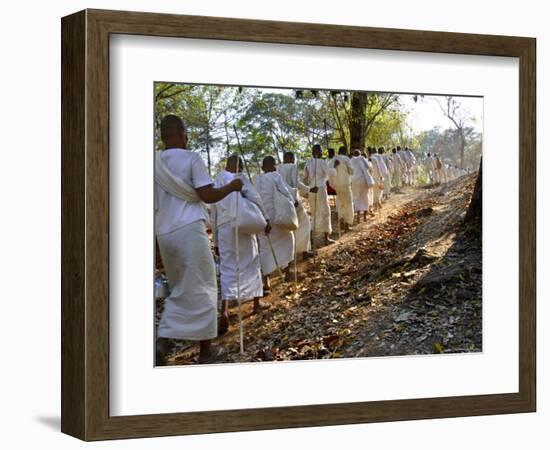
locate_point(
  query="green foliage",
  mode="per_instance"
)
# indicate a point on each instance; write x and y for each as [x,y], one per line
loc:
[272,121]
[421,176]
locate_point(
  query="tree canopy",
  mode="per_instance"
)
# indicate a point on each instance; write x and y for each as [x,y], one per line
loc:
[272,121]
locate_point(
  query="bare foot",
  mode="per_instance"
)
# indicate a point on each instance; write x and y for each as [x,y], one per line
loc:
[213,355]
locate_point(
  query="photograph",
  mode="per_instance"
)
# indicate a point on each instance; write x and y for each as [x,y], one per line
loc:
[297,224]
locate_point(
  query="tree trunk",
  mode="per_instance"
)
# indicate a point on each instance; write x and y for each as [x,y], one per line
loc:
[462,148]
[474,210]
[357,120]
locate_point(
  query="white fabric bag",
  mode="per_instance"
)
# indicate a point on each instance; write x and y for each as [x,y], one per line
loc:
[250,219]
[368,177]
[342,180]
[285,212]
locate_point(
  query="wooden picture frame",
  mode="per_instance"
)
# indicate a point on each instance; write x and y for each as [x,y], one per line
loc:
[85,224]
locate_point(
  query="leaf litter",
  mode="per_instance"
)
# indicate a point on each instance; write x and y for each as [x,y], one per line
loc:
[407,282]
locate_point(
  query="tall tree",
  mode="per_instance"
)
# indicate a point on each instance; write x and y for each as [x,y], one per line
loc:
[358,120]
[452,110]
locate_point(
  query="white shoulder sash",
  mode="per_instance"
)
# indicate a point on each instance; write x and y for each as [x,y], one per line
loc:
[172,184]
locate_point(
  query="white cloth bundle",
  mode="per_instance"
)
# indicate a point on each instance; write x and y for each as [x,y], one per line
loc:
[250,219]
[344,171]
[302,235]
[277,201]
[364,164]
[285,212]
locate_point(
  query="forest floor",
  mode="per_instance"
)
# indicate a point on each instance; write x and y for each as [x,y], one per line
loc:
[406,282]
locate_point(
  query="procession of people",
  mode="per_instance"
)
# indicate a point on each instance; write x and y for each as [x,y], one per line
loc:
[261,226]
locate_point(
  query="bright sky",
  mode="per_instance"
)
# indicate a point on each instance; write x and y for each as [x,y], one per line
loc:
[426,112]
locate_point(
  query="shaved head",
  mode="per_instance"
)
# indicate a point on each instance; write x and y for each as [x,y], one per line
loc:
[356,153]
[316,151]
[289,158]
[234,164]
[173,132]
[268,164]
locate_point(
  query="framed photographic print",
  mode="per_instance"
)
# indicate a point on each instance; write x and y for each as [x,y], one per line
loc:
[272,225]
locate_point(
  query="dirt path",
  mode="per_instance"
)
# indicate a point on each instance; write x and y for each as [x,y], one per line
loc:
[376,291]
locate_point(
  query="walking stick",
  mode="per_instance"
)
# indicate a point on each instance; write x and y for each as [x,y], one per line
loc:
[295,266]
[335,196]
[337,213]
[280,272]
[295,240]
[237,253]
[315,204]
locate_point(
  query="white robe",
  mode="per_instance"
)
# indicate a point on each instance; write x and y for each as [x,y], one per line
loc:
[377,190]
[398,167]
[341,182]
[190,310]
[360,183]
[223,224]
[440,173]
[317,173]
[429,165]
[302,235]
[282,240]
[384,172]
[411,167]
[404,167]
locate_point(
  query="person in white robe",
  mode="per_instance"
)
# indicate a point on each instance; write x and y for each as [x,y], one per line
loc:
[439,169]
[388,180]
[398,165]
[182,187]
[429,166]
[225,241]
[316,174]
[378,188]
[368,162]
[330,181]
[406,166]
[361,182]
[412,166]
[289,172]
[282,239]
[341,181]
[384,171]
